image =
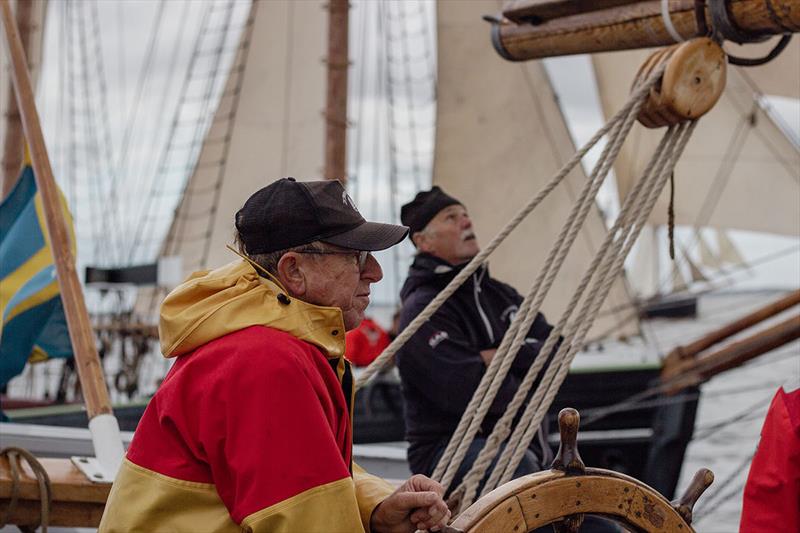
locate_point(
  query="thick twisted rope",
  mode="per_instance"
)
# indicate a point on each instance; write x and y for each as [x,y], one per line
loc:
[387,356]
[611,266]
[560,249]
[539,290]
[45,491]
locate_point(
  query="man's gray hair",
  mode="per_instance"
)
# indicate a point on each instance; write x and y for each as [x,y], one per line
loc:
[269,261]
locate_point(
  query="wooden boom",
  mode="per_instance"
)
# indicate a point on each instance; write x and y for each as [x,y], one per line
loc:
[627,26]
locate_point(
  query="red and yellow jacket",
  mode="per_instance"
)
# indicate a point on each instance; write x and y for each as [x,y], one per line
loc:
[250,430]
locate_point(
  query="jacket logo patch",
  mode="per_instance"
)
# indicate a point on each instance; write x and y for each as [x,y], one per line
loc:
[509,313]
[436,338]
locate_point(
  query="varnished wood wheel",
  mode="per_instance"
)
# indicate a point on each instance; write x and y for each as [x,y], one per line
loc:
[563,495]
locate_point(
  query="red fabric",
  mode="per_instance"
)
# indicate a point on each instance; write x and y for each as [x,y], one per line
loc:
[258,413]
[365,343]
[772,493]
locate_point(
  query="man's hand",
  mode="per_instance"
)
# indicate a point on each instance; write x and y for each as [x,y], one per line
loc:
[416,504]
[487,355]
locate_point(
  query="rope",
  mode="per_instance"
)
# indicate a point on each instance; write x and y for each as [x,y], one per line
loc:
[45,490]
[475,475]
[611,265]
[527,313]
[667,18]
[387,356]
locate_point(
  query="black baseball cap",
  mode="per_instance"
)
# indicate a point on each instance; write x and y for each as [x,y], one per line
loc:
[426,204]
[289,213]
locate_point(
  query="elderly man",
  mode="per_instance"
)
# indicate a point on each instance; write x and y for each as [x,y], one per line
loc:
[251,428]
[444,361]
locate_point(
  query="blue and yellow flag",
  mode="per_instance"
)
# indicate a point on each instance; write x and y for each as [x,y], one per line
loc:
[34,327]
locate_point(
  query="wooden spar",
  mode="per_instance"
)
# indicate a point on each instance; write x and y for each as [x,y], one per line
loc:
[636,25]
[694,372]
[674,362]
[90,371]
[13,144]
[336,111]
[539,11]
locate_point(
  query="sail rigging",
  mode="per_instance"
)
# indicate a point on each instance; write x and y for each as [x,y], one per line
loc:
[500,135]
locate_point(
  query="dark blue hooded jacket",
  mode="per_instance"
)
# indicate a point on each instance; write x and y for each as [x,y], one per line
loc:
[441,366]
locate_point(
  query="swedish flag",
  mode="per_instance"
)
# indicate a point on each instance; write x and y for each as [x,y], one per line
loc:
[34,327]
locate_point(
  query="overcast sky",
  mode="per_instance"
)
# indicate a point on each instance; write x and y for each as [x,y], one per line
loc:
[145,50]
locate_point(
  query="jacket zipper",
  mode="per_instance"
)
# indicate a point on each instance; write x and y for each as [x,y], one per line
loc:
[476,292]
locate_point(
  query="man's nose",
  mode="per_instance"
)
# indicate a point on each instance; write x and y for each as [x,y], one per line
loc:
[372,271]
[466,222]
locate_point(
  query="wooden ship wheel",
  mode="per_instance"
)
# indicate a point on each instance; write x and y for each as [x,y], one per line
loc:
[567,492]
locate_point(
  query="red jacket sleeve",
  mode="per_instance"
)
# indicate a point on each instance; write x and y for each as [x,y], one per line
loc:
[772,493]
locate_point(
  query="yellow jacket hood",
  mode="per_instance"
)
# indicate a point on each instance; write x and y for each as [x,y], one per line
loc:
[211,304]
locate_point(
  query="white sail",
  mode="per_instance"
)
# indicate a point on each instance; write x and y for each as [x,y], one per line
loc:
[644,272]
[269,124]
[707,256]
[728,251]
[500,136]
[740,171]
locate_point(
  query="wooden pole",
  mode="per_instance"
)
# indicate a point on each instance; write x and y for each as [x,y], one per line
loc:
[90,371]
[336,111]
[14,136]
[675,360]
[694,372]
[636,25]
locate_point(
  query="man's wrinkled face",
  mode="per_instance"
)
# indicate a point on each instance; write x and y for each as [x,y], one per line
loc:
[449,236]
[337,281]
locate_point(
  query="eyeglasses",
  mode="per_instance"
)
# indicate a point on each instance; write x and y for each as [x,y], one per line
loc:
[361,255]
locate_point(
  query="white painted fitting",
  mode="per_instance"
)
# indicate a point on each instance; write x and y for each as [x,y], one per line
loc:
[107,442]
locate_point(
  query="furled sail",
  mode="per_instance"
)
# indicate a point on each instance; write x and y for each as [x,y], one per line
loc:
[269,124]
[739,165]
[500,136]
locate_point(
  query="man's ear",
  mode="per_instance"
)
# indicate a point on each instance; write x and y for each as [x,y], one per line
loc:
[418,239]
[290,273]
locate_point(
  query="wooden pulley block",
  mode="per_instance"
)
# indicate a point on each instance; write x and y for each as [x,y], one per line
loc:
[692,83]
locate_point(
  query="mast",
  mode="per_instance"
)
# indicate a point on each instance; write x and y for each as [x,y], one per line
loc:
[105,429]
[336,107]
[13,145]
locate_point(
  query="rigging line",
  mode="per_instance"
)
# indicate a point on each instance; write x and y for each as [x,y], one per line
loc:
[355,162]
[114,223]
[168,82]
[144,77]
[245,51]
[768,142]
[93,184]
[287,90]
[714,192]
[60,111]
[749,413]
[554,145]
[714,496]
[203,128]
[149,200]
[409,98]
[382,22]
[377,116]
[72,95]
[121,62]
[724,272]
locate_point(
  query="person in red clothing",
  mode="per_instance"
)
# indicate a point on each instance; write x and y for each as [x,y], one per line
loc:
[772,493]
[365,343]
[251,429]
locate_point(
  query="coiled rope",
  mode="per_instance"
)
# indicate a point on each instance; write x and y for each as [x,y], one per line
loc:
[13,454]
